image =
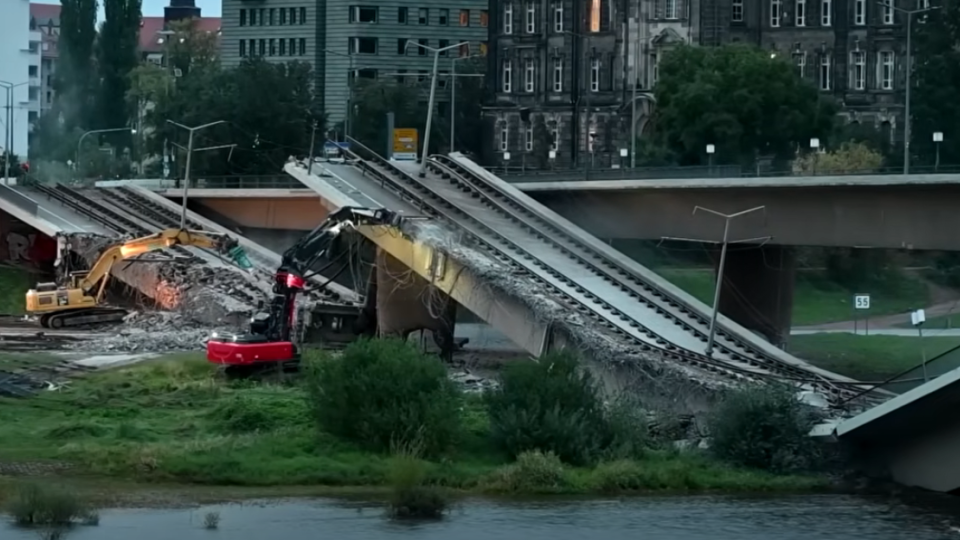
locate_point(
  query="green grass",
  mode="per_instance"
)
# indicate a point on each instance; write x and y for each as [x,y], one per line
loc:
[867,358]
[937,323]
[816,300]
[14,284]
[174,421]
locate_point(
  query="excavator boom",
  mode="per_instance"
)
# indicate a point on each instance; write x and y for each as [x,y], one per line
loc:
[79,302]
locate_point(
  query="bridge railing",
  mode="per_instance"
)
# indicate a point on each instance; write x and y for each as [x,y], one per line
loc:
[517,174]
[17,198]
[212,182]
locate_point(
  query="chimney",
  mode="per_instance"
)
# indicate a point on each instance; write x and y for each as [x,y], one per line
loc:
[180,9]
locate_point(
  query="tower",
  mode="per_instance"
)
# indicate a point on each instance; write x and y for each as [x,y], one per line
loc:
[180,9]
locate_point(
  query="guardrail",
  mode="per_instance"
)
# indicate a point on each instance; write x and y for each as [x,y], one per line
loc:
[215,182]
[721,171]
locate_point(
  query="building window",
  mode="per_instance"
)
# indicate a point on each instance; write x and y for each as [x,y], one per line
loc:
[273,47]
[283,16]
[243,17]
[263,47]
[303,15]
[293,46]
[826,15]
[800,60]
[654,69]
[243,47]
[825,82]
[464,50]
[595,75]
[858,75]
[364,14]
[670,9]
[423,16]
[508,18]
[801,16]
[252,47]
[594,15]
[402,15]
[484,18]
[442,77]
[528,76]
[507,78]
[887,12]
[303,46]
[283,47]
[775,13]
[860,12]
[504,140]
[442,44]
[528,138]
[736,14]
[444,18]
[421,51]
[531,19]
[923,4]
[558,17]
[886,70]
[464,17]
[253,17]
[421,75]
[273,15]
[293,15]
[363,45]
[555,139]
[558,74]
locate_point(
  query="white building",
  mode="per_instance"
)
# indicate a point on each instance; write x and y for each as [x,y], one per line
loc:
[19,72]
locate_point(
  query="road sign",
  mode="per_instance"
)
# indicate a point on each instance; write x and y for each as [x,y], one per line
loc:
[861,301]
[405,143]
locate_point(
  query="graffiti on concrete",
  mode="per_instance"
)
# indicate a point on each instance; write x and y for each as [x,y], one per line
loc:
[29,248]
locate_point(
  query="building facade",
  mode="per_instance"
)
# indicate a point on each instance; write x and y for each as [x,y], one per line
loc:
[20,67]
[853,50]
[360,39]
[577,68]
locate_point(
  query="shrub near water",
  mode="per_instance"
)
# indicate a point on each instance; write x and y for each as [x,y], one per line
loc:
[555,406]
[379,393]
[765,428]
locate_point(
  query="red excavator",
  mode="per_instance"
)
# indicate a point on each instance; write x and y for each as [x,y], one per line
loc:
[270,339]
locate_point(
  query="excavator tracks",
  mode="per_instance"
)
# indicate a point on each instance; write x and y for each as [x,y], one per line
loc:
[82,317]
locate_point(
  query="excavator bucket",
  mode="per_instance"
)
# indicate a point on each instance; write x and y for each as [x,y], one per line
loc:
[239,256]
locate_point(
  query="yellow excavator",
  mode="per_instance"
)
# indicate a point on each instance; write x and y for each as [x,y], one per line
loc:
[79,302]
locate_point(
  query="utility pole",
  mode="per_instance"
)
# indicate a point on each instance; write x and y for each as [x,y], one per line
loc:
[888,4]
[633,99]
[433,92]
[190,150]
[313,139]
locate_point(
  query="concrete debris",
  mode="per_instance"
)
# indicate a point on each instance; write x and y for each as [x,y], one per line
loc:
[155,332]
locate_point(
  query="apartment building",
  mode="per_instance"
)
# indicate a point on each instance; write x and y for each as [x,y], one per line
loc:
[20,70]
[45,19]
[353,40]
[853,50]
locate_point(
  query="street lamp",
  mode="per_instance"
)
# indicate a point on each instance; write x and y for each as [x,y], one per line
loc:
[433,92]
[906,116]
[84,136]
[711,149]
[937,139]
[8,122]
[453,96]
[347,121]
[186,174]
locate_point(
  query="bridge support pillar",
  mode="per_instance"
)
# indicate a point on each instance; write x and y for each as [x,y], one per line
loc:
[757,289]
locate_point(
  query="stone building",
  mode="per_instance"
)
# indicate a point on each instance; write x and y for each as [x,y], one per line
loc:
[570,66]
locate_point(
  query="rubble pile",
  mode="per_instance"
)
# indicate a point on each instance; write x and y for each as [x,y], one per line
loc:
[160,331]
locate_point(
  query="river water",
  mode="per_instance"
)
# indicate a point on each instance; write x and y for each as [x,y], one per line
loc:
[819,517]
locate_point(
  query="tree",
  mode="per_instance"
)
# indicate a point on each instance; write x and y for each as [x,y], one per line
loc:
[849,158]
[935,107]
[190,48]
[374,99]
[117,50]
[75,75]
[740,99]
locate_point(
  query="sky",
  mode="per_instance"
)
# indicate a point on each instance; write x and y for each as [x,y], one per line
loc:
[154,8]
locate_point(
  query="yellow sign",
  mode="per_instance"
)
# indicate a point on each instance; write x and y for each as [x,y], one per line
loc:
[405,143]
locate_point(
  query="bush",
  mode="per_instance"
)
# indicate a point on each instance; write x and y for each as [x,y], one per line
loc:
[35,505]
[379,393]
[533,472]
[765,428]
[409,497]
[554,406]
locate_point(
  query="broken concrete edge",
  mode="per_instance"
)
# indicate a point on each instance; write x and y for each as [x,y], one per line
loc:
[660,383]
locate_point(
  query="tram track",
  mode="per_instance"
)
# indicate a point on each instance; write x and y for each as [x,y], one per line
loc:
[456,195]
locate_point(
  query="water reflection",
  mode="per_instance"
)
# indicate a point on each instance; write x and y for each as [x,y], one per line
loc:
[822,517]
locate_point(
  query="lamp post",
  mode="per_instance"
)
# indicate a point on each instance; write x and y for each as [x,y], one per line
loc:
[815,147]
[186,174]
[906,113]
[453,96]
[8,123]
[937,139]
[711,149]
[347,121]
[433,92]
[95,131]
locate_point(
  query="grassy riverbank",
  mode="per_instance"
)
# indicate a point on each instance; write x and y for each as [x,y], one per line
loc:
[868,358]
[13,286]
[176,421]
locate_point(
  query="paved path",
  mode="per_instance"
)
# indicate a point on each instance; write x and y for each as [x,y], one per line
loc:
[903,332]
